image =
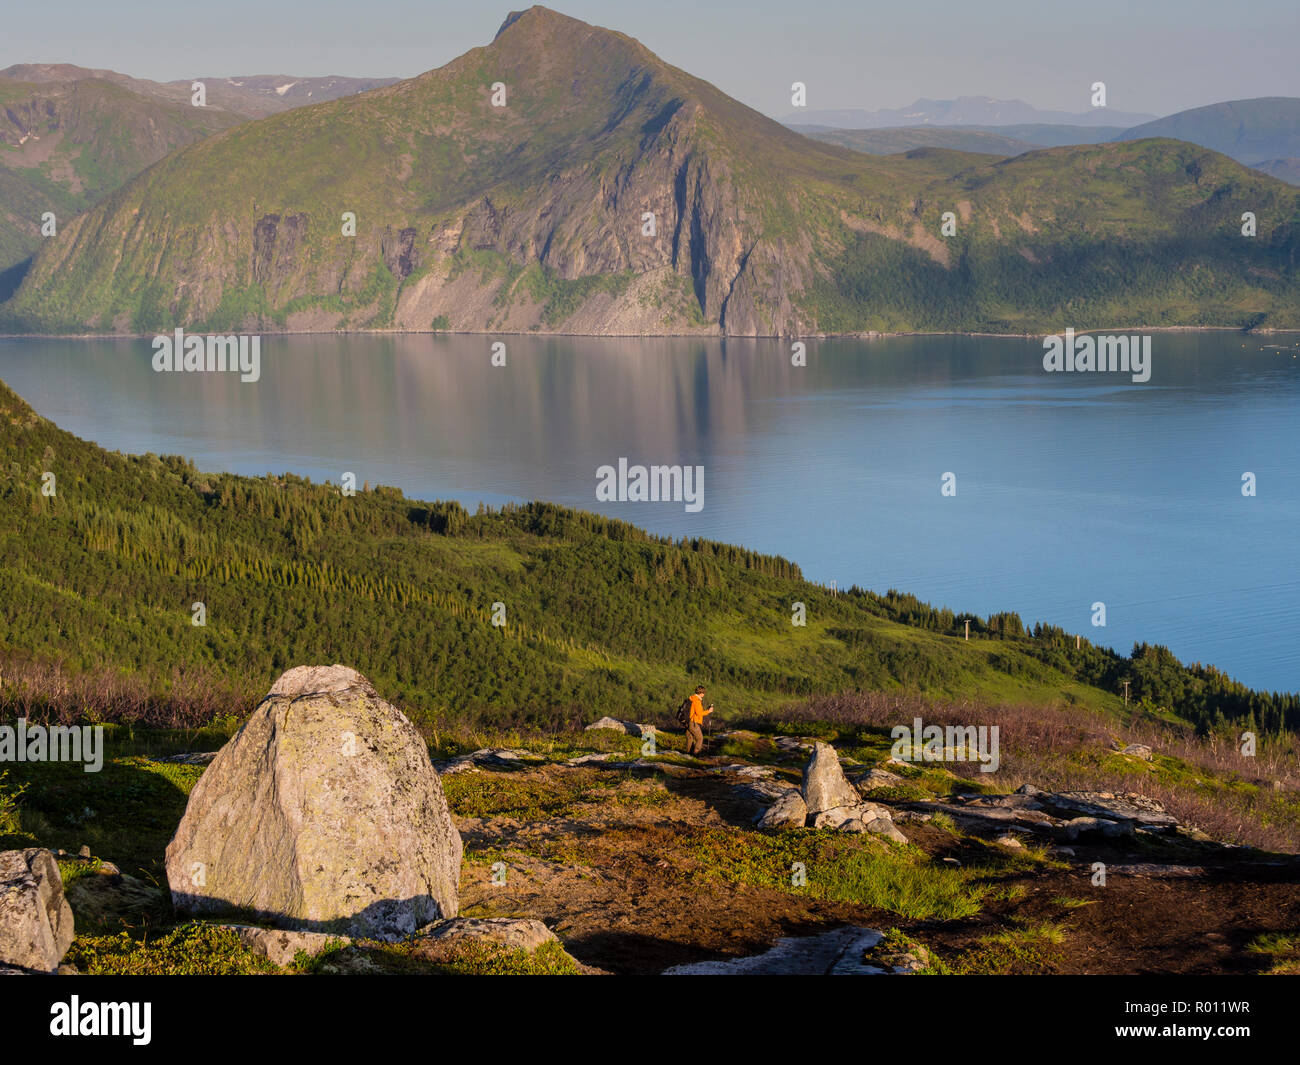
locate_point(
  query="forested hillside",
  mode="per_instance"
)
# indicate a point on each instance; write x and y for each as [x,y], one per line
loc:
[101,578]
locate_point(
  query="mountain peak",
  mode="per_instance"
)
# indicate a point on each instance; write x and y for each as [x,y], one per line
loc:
[536,14]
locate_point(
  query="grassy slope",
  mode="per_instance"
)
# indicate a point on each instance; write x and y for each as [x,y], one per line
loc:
[1120,234]
[85,139]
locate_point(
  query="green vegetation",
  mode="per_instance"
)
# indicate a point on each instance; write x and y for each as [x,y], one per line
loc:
[1026,947]
[193,949]
[474,959]
[864,871]
[1282,950]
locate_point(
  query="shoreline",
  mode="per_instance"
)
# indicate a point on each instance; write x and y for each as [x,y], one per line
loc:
[869,335]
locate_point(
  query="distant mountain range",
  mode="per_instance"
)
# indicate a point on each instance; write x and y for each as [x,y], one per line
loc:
[1262,133]
[616,194]
[991,140]
[250,97]
[963,111]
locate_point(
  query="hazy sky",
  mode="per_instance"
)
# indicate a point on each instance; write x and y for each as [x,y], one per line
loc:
[1157,56]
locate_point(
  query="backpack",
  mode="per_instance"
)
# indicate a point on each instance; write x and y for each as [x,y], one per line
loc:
[684,713]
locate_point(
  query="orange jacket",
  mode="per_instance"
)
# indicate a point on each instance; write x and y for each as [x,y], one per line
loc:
[697,710]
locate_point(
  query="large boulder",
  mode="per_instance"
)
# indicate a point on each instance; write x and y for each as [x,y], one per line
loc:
[824,785]
[35,918]
[323,813]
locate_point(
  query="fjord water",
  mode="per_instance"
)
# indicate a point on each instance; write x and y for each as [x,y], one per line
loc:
[1071,489]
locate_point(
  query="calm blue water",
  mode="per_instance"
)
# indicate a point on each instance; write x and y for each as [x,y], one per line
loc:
[1071,488]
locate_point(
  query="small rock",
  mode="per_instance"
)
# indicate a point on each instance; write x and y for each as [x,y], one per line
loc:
[84,852]
[1079,826]
[611,723]
[1008,840]
[878,778]
[105,898]
[35,918]
[833,818]
[586,759]
[882,826]
[280,946]
[1138,750]
[517,933]
[789,811]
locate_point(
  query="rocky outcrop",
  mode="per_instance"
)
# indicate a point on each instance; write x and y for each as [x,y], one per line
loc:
[35,918]
[824,800]
[323,813]
[824,785]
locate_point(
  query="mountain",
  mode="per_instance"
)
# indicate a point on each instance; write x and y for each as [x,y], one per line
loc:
[1287,170]
[905,138]
[963,111]
[986,140]
[1262,131]
[251,96]
[533,217]
[64,145]
[1048,135]
[265,94]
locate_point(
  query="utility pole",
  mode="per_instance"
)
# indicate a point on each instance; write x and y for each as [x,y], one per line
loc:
[968,630]
[1126,693]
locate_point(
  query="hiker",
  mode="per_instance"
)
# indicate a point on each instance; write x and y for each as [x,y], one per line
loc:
[691,715]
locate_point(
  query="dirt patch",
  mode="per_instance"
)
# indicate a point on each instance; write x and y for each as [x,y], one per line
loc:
[621,880]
